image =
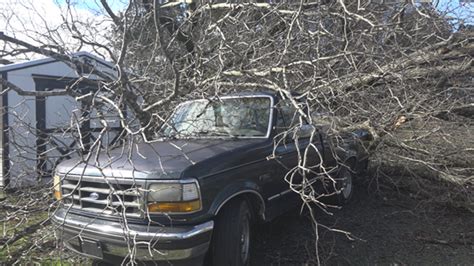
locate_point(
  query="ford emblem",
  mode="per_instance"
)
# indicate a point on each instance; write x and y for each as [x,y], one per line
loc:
[94,195]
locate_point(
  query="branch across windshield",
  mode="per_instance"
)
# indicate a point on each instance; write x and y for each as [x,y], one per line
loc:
[242,117]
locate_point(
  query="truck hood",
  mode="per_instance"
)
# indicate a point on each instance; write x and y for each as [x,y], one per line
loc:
[157,160]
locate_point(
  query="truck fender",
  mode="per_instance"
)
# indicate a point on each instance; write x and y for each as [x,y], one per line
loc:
[235,190]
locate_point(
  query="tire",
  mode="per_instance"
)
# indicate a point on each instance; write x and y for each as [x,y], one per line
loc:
[232,235]
[344,185]
[340,193]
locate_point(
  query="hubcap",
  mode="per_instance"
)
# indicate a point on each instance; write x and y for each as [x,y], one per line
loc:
[347,184]
[245,241]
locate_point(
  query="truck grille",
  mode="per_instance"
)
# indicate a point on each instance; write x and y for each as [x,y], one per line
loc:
[103,196]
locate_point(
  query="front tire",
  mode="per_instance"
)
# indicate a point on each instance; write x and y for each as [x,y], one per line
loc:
[232,234]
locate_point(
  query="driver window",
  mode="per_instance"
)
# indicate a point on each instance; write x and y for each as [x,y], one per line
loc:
[287,116]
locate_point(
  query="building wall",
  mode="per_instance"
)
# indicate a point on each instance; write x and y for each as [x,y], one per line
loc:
[3,155]
[22,119]
[60,112]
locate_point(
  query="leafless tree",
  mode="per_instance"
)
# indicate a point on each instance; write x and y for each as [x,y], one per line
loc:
[401,71]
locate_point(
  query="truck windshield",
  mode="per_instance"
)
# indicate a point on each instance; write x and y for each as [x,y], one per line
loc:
[225,117]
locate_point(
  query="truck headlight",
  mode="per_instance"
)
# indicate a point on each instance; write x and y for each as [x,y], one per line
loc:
[174,197]
[57,187]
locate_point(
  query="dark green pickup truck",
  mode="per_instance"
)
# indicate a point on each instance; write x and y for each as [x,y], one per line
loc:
[217,166]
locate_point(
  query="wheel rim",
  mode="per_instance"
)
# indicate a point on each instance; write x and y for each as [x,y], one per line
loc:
[346,184]
[245,240]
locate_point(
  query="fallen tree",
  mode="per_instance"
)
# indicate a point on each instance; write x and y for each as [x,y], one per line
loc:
[402,71]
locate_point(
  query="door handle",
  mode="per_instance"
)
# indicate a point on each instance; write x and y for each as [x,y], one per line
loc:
[272,157]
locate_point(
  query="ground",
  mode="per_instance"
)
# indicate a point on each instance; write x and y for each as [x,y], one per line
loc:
[386,228]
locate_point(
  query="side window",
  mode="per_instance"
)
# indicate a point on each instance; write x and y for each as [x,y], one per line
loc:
[287,116]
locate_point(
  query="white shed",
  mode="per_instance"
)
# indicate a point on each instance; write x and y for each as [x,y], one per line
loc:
[35,131]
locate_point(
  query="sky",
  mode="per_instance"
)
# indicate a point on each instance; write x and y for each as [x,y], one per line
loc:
[94,5]
[29,19]
[462,9]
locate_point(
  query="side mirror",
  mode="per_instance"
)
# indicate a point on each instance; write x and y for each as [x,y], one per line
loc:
[304,131]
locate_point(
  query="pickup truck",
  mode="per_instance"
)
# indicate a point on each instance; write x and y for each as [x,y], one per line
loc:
[216,167]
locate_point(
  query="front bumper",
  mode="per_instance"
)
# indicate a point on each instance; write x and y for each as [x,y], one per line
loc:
[140,242]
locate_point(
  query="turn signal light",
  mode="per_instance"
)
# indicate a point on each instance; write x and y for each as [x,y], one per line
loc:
[188,206]
[57,195]
[57,187]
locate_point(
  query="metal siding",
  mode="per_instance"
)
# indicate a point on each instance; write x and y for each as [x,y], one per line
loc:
[4,161]
[22,121]
[26,154]
[21,147]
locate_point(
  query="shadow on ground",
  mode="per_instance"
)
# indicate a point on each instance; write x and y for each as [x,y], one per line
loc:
[389,229]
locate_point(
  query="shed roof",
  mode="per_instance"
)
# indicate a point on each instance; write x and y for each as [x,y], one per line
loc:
[47,60]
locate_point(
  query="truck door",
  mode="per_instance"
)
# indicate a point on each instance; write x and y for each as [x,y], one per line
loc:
[289,154]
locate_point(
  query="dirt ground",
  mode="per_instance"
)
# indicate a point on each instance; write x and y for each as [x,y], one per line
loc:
[387,228]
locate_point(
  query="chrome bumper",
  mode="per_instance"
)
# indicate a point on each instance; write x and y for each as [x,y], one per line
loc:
[141,242]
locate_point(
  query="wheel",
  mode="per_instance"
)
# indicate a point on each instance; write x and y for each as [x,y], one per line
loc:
[231,235]
[344,185]
[341,192]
